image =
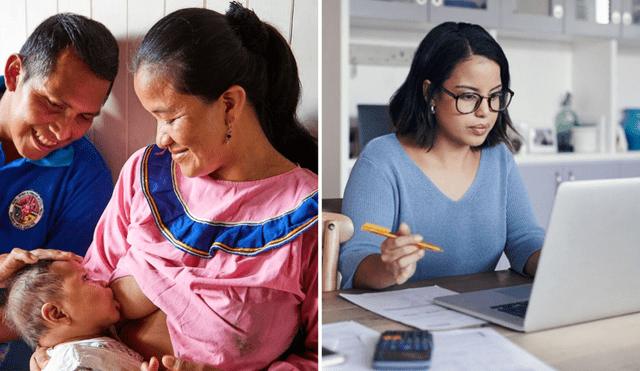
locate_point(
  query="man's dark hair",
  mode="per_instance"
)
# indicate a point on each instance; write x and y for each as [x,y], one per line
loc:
[91,41]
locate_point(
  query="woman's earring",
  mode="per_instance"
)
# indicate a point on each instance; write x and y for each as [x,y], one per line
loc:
[432,109]
[228,135]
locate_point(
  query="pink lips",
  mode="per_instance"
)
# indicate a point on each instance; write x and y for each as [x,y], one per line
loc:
[479,129]
[176,156]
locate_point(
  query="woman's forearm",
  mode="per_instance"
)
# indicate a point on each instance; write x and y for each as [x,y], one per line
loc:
[7,334]
[372,274]
[148,336]
[531,266]
[143,326]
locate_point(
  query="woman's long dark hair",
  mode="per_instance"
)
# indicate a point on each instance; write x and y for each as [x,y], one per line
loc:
[204,53]
[439,53]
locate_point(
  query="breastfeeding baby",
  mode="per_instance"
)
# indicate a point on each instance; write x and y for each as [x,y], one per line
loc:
[55,305]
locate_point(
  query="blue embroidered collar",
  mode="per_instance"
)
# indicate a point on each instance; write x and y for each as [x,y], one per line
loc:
[202,238]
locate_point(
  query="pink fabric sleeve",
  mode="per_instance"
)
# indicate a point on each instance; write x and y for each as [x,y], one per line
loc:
[309,311]
[110,239]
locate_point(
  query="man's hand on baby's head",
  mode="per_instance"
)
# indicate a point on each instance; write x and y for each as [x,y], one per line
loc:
[18,258]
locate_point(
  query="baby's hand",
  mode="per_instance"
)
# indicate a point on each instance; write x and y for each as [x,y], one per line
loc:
[152,365]
[39,359]
[175,364]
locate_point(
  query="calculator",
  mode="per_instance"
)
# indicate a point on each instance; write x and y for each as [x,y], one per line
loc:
[403,350]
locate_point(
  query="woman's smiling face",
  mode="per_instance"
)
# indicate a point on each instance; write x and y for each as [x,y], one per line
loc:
[474,75]
[192,130]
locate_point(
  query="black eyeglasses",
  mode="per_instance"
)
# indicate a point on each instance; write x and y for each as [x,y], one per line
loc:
[469,102]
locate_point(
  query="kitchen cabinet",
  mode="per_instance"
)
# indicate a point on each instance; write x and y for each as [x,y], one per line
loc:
[483,12]
[593,17]
[629,169]
[631,19]
[398,10]
[600,18]
[543,178]
[537,16]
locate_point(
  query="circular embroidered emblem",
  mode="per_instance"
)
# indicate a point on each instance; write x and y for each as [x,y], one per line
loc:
[26,209]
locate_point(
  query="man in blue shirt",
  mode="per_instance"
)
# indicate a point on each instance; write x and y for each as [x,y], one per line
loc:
[54,184]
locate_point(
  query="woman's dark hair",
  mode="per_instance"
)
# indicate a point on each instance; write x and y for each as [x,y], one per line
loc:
[204,53]
[91,41]
[444,47]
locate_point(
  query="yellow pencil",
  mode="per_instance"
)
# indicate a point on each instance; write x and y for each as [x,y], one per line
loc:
[381,231]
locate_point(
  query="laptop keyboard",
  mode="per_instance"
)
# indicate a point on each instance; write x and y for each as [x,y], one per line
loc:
[517,309]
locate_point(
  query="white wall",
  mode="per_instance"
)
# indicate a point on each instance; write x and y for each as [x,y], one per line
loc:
[540,77]
[124,126]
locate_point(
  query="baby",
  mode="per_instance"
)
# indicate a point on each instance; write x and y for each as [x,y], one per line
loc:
[54,304]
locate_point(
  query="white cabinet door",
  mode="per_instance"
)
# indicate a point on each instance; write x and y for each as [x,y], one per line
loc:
[543,179]
[546,16]
[483,12]
[593,17]
[630,169]
[397,10]
[631,19]
[592,170]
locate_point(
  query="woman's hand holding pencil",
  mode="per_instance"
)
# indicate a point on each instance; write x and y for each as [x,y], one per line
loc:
[397,262]
[387,233]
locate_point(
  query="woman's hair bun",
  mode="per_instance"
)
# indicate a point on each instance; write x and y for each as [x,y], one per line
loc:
[246,24]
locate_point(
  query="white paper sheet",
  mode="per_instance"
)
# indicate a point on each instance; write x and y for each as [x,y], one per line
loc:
[476,349]
[352,339]
[414,307]
[480,349]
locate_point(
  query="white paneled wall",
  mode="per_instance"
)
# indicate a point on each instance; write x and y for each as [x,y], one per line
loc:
[124,126]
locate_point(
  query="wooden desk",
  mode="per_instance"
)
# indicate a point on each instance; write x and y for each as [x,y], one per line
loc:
[606,345]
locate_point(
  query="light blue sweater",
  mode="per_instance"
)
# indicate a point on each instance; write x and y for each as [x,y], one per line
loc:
[386,188]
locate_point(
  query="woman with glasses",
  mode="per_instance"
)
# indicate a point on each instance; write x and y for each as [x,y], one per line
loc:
[446,176]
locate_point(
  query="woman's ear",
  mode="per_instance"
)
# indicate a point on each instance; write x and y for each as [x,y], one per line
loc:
[53,314]
[12,71]
[425,87]
[234,100]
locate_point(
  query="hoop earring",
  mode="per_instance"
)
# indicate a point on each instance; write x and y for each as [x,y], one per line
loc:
[432,110]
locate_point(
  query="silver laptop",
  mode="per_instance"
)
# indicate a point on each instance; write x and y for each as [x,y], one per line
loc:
[589,267]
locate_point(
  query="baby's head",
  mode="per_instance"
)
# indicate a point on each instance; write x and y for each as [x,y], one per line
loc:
[51,302]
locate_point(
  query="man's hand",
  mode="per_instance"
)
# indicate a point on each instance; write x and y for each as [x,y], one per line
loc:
[175,364]
[18,259]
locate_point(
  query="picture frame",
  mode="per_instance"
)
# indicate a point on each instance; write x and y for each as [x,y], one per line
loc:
[542,140]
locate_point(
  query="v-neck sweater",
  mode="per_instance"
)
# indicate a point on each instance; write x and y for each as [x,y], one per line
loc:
[495,215]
